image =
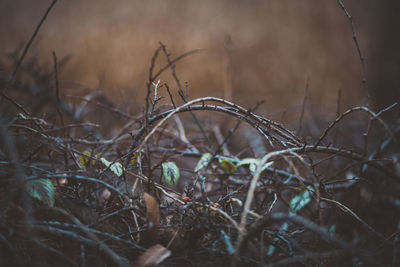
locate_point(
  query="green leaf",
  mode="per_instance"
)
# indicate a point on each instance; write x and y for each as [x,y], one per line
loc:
[252,168]
[227,166]
[300,201]
[171,173]
[332,229]
[115,167]
[247,161]
[253,163]
[203,162]
[41,189]
[357,262]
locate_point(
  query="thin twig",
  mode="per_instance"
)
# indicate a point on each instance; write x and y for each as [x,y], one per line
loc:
[348,112]
[362,60]
[303,106]
[28,45]
[348,210]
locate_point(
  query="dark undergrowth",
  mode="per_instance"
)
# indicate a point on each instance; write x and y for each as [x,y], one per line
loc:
[86,182]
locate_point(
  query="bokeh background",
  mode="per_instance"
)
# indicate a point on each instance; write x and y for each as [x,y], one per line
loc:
[250,50]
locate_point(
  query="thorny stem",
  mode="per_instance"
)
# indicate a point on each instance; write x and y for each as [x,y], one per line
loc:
[356,43]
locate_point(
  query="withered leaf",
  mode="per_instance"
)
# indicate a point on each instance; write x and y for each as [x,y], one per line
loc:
[153,218]
[153,256]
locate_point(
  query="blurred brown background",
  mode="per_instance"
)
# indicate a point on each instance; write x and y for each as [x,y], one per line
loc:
[252,49]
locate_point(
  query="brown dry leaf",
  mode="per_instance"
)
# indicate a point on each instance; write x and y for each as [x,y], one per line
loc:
[104,196]
[153,218]
[153,211]
[153,256]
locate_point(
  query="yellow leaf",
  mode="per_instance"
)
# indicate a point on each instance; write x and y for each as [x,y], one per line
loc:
[134,157]
[85,159]
[227,166]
